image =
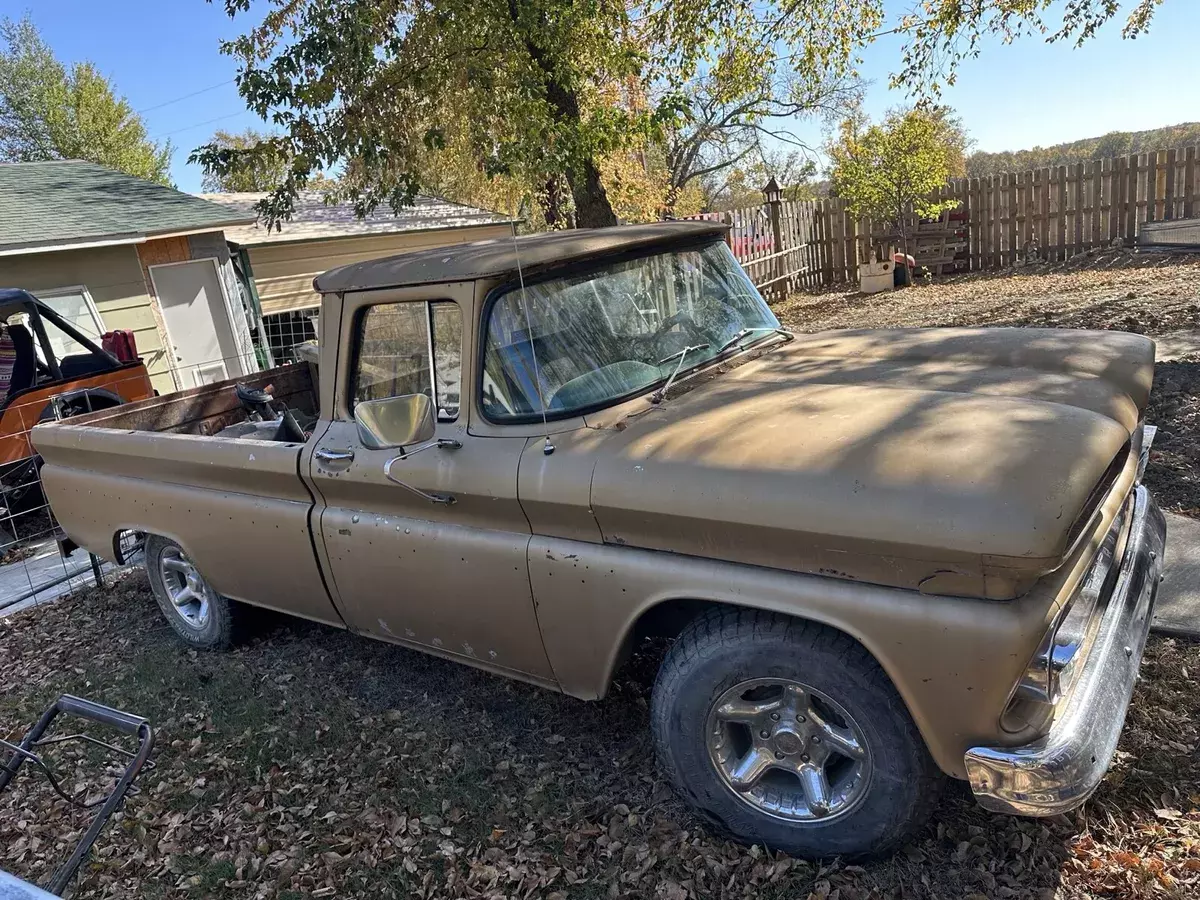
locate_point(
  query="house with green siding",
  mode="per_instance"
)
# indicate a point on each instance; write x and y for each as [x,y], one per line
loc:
[112,252]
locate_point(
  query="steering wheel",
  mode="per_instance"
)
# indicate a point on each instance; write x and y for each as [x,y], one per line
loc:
[679,318]
[663,342]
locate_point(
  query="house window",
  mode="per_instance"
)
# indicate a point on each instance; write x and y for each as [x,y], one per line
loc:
[75,305]
[411,348]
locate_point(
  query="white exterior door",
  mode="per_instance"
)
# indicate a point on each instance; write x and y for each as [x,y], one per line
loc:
[196,313]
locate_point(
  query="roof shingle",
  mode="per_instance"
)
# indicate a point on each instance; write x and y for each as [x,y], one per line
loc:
[314,219]
[64,202]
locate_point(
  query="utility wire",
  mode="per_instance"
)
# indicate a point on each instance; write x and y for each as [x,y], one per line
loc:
[164,134]
[184,97]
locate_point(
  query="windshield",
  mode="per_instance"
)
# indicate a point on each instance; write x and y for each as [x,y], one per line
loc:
[597,337]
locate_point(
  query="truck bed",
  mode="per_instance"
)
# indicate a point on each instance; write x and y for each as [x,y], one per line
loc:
[206,410]
[238,506]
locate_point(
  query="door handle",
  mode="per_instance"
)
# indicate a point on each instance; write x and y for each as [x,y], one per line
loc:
[334,459]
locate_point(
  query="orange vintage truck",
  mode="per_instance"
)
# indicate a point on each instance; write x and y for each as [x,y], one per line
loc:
[885,557]
[46,384]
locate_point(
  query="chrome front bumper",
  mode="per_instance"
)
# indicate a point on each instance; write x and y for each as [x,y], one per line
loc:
[1059,771]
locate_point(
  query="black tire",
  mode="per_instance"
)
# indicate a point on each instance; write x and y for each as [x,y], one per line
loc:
[727,647]
[220,627]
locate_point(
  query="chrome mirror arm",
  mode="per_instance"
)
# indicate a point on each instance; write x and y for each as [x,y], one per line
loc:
[440,443]
[444,443]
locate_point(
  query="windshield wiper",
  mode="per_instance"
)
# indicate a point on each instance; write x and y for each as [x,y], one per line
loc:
[657,396]
[746,332]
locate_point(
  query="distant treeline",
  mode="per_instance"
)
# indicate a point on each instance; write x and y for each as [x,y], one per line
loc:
[1116,143]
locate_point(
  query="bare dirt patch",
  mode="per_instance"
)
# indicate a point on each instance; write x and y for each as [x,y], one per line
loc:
[1146,293]
[311,763]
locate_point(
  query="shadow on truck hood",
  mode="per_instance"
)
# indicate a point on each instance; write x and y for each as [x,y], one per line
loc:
[947,460]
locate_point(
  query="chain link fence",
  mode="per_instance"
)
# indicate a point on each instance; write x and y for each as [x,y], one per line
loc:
[33,570]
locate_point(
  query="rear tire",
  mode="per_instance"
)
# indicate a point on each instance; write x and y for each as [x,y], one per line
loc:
[789,734]
[199,615]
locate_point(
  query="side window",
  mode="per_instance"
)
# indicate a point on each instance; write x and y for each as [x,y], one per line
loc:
[411,348]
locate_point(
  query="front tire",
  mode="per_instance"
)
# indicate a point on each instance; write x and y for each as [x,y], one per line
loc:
[789,734]
[199,615]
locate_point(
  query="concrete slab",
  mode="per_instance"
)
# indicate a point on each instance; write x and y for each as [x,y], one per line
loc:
[1176,345]
[35,576]
[1177,610]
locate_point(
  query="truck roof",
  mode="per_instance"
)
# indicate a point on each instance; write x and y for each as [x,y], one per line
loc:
[502,256]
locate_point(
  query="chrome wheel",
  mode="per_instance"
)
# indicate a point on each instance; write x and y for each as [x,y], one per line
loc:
[788,750]
[188,592]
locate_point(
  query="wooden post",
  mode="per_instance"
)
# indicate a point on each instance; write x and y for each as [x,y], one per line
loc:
[1116,215]
[837,234]
[995,260]
[778,269]
[1021,214]
[1061,221]
[1044,211]
[1096,170]
[1169,187]
[974,223]
[1189,182]
[1078,209]
[1011,181]
[1130,213]
[1157,209]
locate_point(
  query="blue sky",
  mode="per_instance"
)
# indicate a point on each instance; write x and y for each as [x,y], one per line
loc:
[1017,96]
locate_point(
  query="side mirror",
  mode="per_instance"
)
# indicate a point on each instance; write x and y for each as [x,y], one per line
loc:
[395,421]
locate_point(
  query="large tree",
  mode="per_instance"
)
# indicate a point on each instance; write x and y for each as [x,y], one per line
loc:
[547,93]
[48,111]
[543,91]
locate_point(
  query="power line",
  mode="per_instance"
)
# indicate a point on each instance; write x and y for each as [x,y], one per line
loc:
[198,124]
[185,97]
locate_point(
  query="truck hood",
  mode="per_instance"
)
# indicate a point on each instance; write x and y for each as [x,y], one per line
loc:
[952,461]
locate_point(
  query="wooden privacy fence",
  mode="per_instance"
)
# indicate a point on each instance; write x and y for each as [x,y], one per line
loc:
[1054,213]
[1049,214]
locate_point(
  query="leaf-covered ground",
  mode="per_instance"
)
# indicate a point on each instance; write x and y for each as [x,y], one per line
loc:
[311,763]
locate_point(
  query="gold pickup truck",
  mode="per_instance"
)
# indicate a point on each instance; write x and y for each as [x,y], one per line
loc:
[884,557]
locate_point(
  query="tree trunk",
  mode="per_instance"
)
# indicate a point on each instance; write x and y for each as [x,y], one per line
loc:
[592,208]
[551,204]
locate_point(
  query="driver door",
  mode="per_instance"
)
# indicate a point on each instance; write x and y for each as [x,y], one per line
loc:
[450,578]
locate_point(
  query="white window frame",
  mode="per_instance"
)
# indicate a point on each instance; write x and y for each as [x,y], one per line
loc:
[81,289]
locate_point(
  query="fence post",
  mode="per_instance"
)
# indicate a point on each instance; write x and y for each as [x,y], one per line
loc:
[1189,181]
[774,197]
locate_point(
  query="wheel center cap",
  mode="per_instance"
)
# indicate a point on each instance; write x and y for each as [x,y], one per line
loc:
[787,741]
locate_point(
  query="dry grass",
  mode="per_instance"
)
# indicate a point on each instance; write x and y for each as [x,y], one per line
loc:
[310,763]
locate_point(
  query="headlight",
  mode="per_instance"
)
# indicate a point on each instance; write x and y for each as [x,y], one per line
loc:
[1065,643]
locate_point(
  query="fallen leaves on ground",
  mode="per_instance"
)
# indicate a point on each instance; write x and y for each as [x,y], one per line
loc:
[312,763]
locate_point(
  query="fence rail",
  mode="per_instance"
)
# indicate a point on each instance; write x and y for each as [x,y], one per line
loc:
[1051,213]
